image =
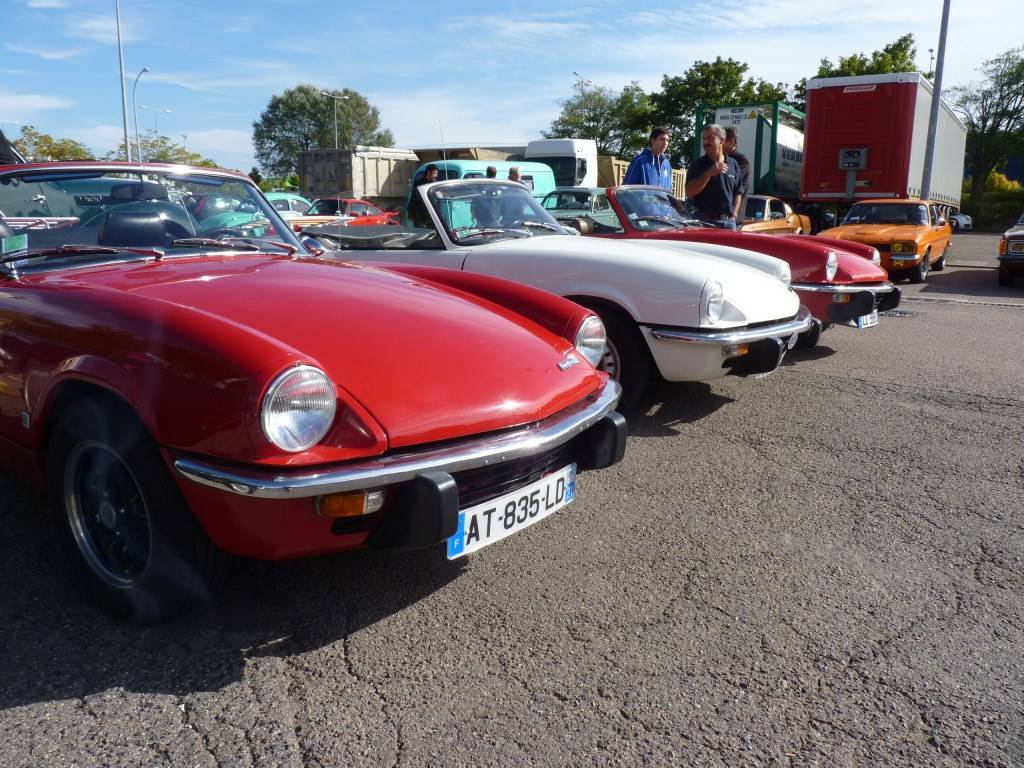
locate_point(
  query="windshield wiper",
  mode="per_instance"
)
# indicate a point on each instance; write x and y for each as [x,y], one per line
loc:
[79,250]
[662,219]
[492,231]
[542,225]
[211,242]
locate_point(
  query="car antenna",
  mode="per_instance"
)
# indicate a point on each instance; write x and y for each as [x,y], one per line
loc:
[444,154]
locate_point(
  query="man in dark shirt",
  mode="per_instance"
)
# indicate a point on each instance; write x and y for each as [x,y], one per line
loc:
[732,137]
[713,181]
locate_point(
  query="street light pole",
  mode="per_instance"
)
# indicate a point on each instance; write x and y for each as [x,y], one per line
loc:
[336,100]
[933,118]
[135,113]
[124,99]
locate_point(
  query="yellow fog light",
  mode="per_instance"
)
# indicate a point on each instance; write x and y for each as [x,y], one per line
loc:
[841,298]
[352,504]
[735,350]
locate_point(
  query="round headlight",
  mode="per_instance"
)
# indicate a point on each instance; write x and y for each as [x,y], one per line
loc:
[298,409]
[784,273]
[714,299]
[590,340]
[876,257]
[831,266]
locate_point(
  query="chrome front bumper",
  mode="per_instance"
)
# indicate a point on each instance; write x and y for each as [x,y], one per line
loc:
[404,466]
[801,323]
[874,288]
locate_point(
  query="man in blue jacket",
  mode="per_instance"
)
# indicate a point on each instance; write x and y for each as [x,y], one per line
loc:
[652,165]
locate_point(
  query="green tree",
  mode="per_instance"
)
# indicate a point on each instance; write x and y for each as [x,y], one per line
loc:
[256,176]
[160,149]
[618,122]
[302,118]
[994,114]
[897,56]
[721,81]
[41,146]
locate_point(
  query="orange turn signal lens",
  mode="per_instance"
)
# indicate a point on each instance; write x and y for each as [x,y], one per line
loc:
[1002,247]
[841,298]
[735,350]
[352,504]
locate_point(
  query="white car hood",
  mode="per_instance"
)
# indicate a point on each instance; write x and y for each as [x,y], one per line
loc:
[658,285]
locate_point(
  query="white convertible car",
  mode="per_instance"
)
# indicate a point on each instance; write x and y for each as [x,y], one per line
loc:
[687,313]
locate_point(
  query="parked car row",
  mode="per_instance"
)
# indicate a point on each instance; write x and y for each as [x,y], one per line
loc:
[189,378]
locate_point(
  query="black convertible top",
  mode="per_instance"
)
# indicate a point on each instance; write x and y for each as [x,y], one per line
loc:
[388,237]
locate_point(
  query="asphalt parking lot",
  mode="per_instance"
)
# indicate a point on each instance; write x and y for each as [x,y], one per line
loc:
[821,567]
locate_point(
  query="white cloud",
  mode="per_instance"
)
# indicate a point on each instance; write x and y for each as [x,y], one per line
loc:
[23,107]
[102,29]
[215,142]
[487,31]
[99,138]
[47,54]
[46,3]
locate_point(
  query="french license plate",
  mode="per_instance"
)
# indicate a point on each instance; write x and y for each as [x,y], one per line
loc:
[493,520]
[866,321]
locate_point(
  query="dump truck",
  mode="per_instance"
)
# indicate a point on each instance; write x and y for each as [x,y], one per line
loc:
[381,175]
[865,139]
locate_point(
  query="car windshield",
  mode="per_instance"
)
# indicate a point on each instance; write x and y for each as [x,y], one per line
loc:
[651,208]
[326,206]
[887,213]
[567,200]
[486,211]
[1020,221]
[64,210]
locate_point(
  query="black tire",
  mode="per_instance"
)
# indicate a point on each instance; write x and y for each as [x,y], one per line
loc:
[920,272]
[1005,278]
[940,265]
[626,358]
[809,339]
[141,551]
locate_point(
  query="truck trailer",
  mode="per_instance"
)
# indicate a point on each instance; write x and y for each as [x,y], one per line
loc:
[772,138]
[866,135]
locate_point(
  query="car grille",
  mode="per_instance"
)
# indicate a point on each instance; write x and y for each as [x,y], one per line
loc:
[483,483]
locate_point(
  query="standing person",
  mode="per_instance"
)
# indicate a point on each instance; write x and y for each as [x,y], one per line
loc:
[652,166]
[713,181]
[513,175]
[417,213]
[730,147]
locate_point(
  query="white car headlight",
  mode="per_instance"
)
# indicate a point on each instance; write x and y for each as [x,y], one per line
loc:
[590,340]
[831,266]
[298,409]
[784,273]
[713,300]
[876,257]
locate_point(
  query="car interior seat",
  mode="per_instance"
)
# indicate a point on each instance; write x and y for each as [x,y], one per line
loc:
[132,229]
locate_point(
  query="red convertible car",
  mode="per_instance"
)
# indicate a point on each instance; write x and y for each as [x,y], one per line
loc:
[184,394]
[838,285]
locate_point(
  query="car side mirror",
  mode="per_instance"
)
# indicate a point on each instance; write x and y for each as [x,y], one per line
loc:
[313,245]
[942,222]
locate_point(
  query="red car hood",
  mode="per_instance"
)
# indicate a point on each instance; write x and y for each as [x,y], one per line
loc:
[428,363]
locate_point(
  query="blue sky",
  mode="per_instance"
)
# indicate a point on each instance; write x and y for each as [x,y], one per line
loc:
[488,72]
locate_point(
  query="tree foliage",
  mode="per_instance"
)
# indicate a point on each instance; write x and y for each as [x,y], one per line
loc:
[41,146]
[722,81]
[302,118]
[994,114]
[618,122]
[898,56]
[160,149]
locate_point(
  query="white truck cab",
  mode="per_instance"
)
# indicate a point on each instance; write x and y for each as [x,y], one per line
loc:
[574,161]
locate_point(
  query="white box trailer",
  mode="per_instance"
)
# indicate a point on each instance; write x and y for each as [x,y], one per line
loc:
[879,124]
[381,175]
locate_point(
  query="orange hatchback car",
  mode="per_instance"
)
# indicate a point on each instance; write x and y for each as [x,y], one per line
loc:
[912,236]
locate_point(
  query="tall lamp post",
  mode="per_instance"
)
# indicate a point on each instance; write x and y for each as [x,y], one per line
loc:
[933,118]
[156,111]
[124,99]
[135,113]
[336,100]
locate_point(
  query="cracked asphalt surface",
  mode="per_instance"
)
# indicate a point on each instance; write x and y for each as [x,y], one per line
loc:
[822,567]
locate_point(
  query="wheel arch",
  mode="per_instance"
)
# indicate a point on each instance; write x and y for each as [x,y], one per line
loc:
[69,391]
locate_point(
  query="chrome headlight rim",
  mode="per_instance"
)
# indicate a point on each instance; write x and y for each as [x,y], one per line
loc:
[876,257]
[712,302]
[831,266]
[283,439]
[591,339]
[784,272]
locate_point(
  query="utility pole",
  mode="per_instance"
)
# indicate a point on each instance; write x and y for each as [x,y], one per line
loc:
[933,118]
